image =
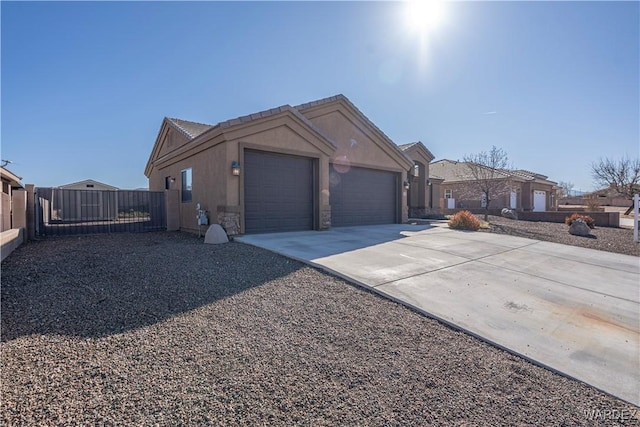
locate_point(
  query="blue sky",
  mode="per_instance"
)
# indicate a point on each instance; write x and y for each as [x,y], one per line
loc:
[85,85]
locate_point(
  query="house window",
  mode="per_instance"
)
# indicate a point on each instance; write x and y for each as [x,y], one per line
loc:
[89,185]
[185,176]
[448,194]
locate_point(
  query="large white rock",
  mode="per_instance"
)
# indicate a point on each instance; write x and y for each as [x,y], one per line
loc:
[215,234]
[509,213]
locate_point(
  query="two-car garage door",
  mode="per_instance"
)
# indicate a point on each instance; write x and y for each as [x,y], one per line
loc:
[279,194]
[361,196]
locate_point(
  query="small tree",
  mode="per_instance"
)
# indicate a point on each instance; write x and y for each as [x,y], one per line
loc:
[490,176]
[621,175]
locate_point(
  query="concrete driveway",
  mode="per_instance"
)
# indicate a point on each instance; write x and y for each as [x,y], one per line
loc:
[574,310]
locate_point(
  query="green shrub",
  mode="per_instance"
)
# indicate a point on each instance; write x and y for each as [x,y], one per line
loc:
[464,220]
[586,218]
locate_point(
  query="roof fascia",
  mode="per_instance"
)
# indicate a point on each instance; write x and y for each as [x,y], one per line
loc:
[236,131]
[11,177]
[156,148]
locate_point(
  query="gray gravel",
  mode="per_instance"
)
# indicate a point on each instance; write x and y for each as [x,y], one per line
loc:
[159,329]
[618,240]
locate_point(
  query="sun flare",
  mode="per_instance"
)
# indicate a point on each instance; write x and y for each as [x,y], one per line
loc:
[425,16]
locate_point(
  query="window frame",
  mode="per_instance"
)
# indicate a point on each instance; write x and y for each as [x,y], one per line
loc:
[186,185]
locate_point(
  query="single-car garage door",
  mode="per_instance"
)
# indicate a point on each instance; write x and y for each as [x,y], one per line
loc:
[539,201]
[278,192]
[361,196]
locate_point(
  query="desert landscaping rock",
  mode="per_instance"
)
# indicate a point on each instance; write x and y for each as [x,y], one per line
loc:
[160,329]
[509,213]
[618,240]
[579,228]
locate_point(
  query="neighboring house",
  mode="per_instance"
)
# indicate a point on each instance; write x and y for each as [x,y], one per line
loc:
[89,185]
[86,200]
[608,196]
[423,193]
[310,167]
[529,191]
[10,182]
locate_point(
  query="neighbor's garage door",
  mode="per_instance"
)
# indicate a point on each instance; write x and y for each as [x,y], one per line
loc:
[539,201]
[278,192]
[363,197]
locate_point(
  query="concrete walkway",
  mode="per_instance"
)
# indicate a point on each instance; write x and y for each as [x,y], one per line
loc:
[571,309]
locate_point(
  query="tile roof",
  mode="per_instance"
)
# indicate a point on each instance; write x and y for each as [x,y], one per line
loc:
[192,129]
[189,129]
[528,174]
[450,170]
[407,147]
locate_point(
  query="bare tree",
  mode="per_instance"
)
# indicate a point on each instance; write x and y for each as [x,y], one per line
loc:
[564,189]
[621,175]
[489,175]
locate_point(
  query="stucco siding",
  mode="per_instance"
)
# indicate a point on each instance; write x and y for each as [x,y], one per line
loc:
[356,145]
[172,140]
[209,176]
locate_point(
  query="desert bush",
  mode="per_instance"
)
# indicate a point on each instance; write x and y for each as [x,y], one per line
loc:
[586,218]
[464,220]
[593,205]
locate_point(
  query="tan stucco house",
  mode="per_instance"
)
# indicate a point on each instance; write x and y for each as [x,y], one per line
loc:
[529,191]
[422,196]
[310,167]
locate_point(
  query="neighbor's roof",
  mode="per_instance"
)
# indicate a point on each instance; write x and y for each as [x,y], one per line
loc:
[13,179]
[90,182]
[451,170]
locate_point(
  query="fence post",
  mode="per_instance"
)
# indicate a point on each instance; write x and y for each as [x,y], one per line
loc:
[31,217]
[172,205]
[636,202]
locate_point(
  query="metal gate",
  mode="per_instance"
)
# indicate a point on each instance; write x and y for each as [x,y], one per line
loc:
[72,212]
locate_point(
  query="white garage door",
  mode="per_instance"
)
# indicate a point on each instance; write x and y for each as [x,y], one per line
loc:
[539,201]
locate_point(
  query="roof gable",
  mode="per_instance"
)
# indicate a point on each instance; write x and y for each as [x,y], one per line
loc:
[177,136]
[339,104]
[417,151]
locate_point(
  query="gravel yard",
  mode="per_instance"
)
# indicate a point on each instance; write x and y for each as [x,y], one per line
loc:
[618,240]
[160,329]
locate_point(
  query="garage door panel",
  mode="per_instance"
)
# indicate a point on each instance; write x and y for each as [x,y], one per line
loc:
[363,197]
[278,192]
